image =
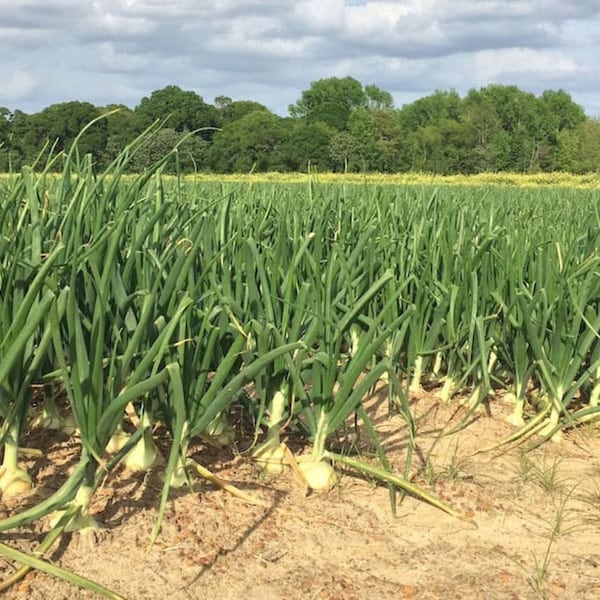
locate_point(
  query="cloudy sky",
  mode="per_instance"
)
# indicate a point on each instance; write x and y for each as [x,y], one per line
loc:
[118,51]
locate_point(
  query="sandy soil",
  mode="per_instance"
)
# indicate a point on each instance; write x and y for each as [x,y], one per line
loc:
[531,528]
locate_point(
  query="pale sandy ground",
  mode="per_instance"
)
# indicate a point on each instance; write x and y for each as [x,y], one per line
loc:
[532,527]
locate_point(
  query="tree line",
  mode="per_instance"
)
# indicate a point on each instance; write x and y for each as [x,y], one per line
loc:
[337,124]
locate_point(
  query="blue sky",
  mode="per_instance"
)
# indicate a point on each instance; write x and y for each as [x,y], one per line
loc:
[270,50]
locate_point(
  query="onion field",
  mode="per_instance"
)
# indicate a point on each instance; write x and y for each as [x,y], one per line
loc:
[132,304]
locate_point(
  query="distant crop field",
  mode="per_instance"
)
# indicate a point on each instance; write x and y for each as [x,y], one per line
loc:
[587,181]
[559,179]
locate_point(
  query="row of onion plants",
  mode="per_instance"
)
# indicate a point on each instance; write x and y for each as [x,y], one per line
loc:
[152,301]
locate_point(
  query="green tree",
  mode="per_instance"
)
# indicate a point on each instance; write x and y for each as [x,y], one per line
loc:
[189,156]
[330,101]
[523,118]
[430,110]
[483,129]
[307,144]
[121,131]
[513,106]
[24,141]
[336,123]
[343,151]
[579,148]
[253,142]
[568,151]
[184,111]
[378,99]
[5,129]
[363,128]
[222,102]
[441,148]
[55,128]
[589,146]
[423,125]
[237,109]
[560,113]
[63,122]
[377,134]
[388,139]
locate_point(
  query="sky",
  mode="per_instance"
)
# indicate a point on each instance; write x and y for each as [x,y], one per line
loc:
[119,51]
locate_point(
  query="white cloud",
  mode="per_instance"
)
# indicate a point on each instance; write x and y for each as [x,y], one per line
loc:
[519,64]
[118,61]
[16,87]
[270,50]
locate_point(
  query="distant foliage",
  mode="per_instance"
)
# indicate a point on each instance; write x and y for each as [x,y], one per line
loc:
[336,125]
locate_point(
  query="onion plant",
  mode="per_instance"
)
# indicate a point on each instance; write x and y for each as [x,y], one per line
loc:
[145,302]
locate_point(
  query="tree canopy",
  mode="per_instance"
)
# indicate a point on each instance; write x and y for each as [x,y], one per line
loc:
[336,124]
